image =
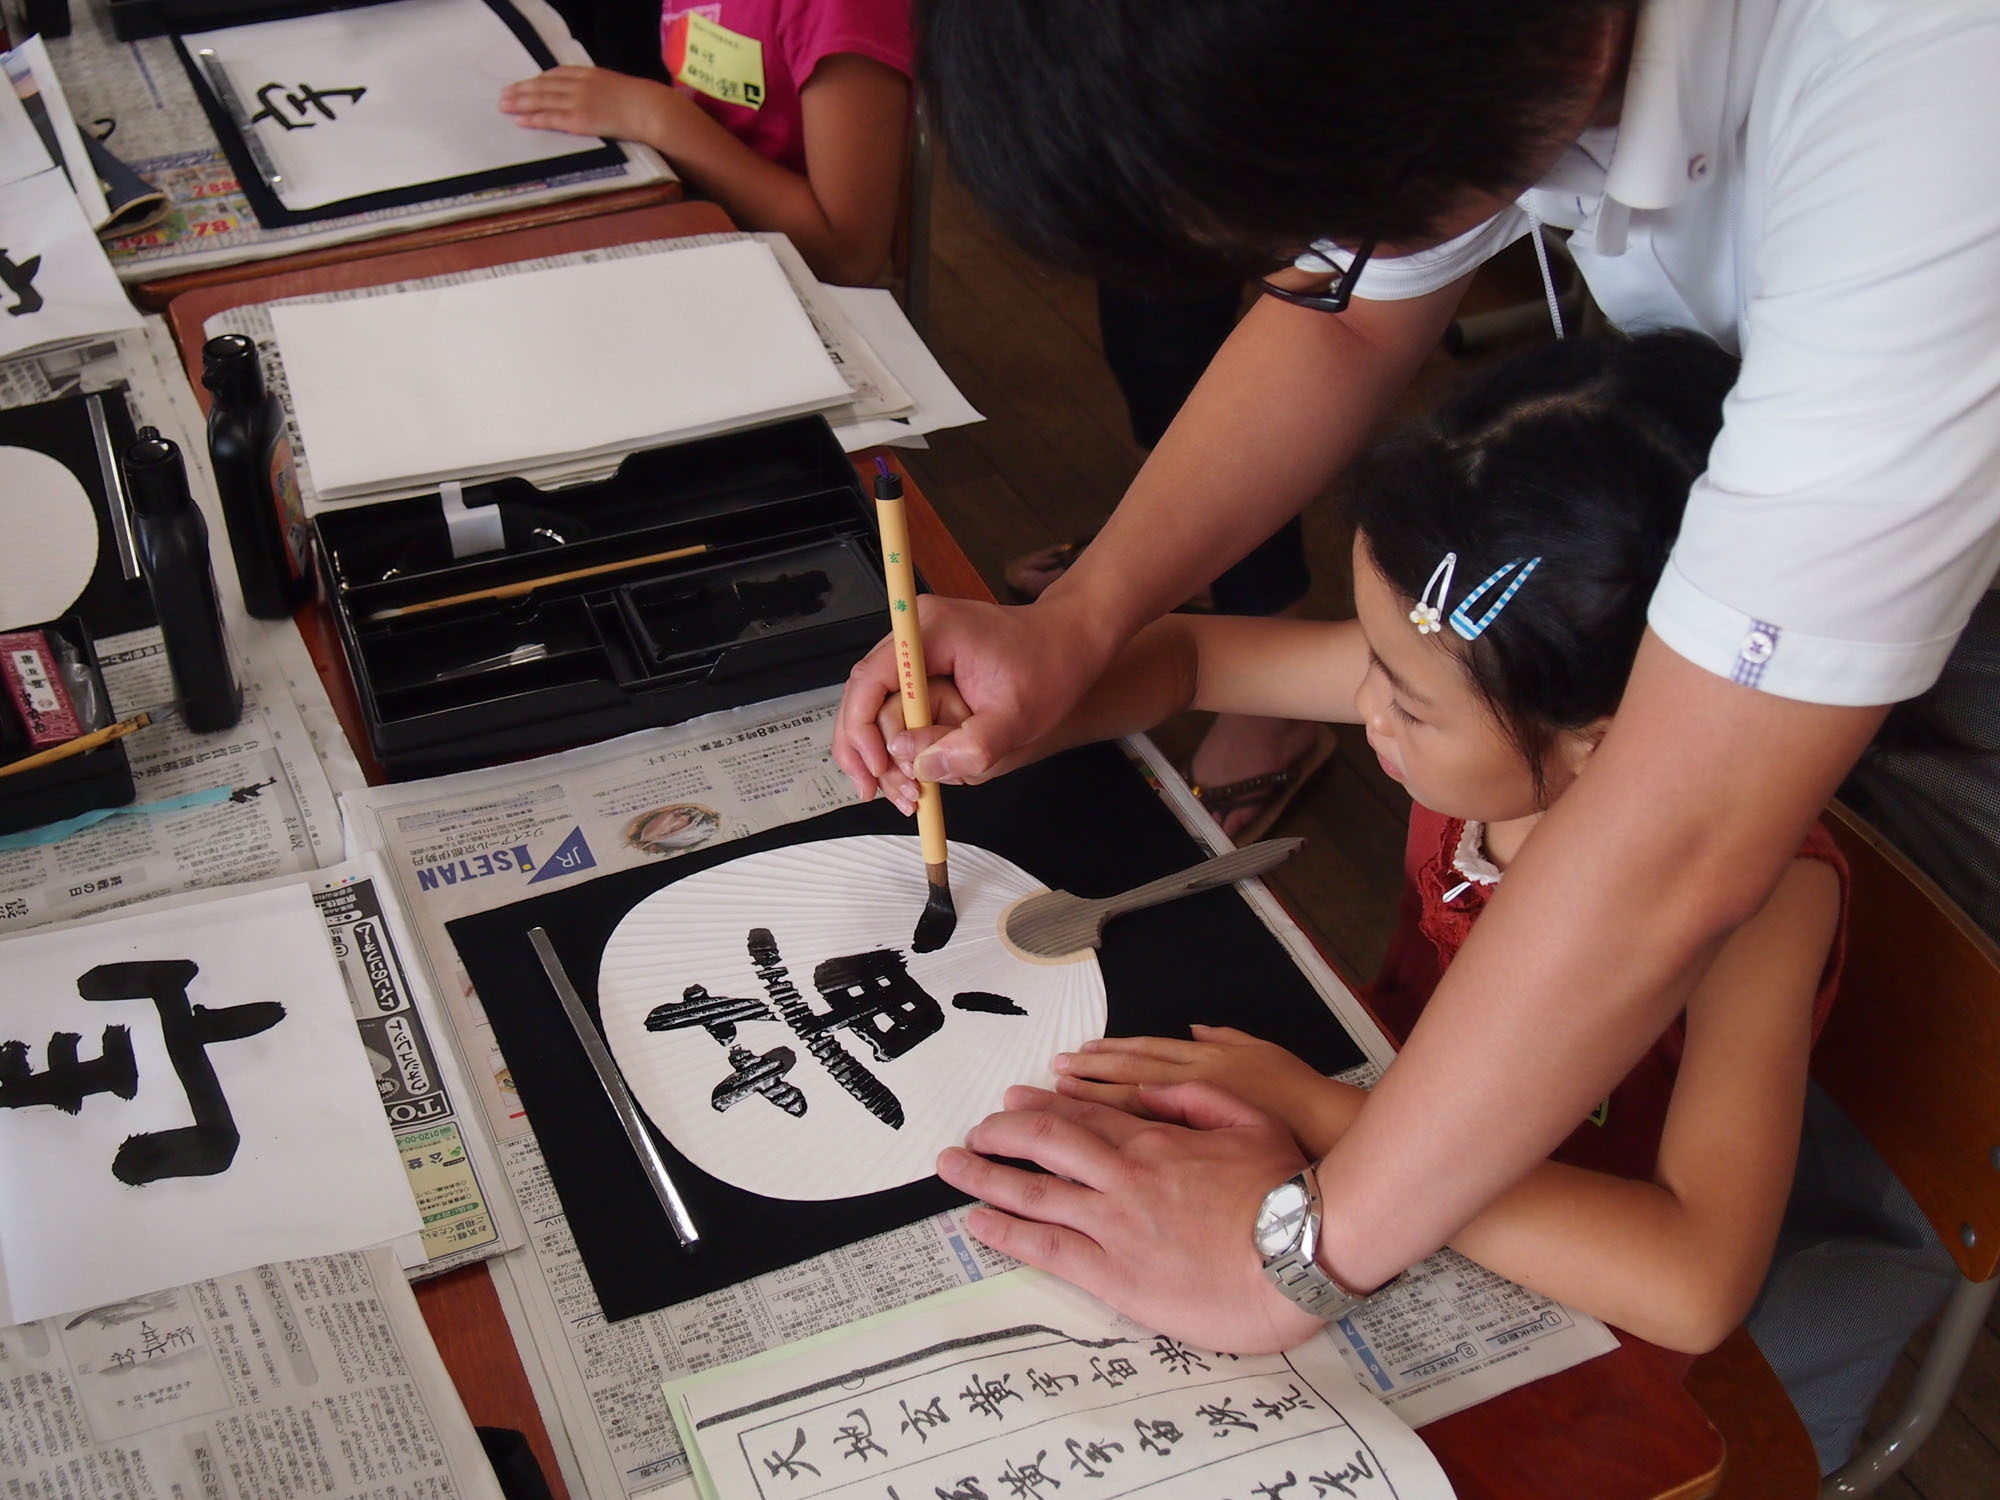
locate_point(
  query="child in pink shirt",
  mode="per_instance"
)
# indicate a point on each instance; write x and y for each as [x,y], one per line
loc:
[807,136]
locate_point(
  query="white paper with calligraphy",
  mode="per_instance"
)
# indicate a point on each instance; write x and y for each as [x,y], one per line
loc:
[1024,1388]
[775,1023]
[55,283]
[346,103]
[182,1093]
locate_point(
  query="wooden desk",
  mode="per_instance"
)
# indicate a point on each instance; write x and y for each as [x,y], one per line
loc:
[1618,1428]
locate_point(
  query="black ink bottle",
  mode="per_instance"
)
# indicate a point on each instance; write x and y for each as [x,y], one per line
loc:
[257,481]
[173,549]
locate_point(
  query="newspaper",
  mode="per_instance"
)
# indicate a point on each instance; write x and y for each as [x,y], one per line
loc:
[135,97]
[1450,1336]
[308,1376]
[247,803]
[877,392]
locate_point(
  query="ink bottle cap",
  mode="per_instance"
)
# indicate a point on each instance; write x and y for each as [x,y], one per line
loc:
[230,368]
[155,476]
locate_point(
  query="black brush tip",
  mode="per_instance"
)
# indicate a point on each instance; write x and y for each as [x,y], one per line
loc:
[940,918]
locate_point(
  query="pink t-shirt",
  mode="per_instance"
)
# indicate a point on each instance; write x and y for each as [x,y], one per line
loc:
[796,35]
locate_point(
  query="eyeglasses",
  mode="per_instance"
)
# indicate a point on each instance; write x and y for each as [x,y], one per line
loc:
[1334,300]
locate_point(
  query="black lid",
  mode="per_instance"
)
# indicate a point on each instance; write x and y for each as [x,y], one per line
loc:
[230,368]
[888,483]
[154,475]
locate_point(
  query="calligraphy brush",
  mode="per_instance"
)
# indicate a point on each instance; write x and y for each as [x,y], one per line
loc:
[940,918]
[83,744]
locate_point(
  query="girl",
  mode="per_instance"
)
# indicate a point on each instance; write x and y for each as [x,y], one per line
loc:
[1503,560]
[791,114]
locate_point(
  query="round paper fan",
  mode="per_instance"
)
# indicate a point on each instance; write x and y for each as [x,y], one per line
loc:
[775,1024]
[54,548]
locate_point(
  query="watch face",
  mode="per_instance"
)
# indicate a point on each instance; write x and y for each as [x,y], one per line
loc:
[1281,1217]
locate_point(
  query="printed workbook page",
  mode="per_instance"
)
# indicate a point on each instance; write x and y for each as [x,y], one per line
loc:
[1024,1387]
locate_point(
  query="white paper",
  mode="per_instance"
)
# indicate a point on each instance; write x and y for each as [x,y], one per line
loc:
[487,377]
[313,1170]
[52,538]
[1027,1387]
[929,1045]
[29,66]
[937,403]
[55,283]
[23,153]
[346,103]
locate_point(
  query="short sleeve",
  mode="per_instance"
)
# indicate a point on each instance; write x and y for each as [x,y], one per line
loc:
[1850,516]
[813,30]
[1398,278]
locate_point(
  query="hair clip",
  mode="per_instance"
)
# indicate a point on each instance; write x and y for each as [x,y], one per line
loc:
[1428,614]
[1471,629]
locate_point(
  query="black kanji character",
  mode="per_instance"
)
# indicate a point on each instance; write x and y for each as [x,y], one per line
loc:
[790,1464]
[306,97]
[20,280]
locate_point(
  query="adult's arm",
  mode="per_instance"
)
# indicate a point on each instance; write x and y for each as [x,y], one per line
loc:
[1290,398]
[1674,835]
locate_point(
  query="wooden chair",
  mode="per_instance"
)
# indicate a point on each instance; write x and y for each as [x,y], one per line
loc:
[1911,1054]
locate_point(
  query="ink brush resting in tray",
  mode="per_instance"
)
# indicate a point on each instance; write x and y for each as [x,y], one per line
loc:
[503,620]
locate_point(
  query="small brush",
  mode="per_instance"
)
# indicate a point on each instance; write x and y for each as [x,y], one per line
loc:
[940,918]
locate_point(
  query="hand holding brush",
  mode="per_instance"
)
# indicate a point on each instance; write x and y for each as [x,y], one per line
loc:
[940,918]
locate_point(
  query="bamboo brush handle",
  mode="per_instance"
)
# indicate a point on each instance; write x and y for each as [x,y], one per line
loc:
[900,574]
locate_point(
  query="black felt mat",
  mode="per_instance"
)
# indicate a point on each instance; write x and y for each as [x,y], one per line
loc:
[1084,822]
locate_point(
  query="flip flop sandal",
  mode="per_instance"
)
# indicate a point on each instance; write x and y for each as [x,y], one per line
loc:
[1271,793]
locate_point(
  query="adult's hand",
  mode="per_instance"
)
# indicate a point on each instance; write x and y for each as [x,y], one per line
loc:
[1017,671]
[1151,1215]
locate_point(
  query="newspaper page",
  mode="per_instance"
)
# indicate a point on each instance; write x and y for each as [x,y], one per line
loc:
[302,1376]
[1450,1336]
[136,99]
[877,392]
[242,804]
[454,1174]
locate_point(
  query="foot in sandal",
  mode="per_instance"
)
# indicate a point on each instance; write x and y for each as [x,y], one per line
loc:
[1246,771]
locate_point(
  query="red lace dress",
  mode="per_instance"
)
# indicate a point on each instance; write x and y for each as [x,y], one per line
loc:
[1446,884]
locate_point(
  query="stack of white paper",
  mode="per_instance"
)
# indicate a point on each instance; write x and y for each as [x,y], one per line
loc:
[515,374]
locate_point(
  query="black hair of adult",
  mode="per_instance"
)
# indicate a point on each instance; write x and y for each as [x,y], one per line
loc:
[1579,452]
[1190,141]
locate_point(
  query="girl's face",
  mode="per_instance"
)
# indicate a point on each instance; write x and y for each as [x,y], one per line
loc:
[1430,727]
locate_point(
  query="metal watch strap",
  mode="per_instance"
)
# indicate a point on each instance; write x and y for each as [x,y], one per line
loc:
[1305,1283]
[1296,1272]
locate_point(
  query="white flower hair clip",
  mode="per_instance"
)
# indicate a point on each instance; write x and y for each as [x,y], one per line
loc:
[1428,614]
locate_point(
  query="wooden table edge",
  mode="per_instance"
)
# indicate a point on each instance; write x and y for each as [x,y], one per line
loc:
[156,293]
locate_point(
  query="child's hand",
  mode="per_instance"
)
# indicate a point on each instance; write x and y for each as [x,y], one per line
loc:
[948,711]
[1112,1070]
[591,101]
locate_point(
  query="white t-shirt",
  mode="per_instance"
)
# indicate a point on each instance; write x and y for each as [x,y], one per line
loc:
[1815,183]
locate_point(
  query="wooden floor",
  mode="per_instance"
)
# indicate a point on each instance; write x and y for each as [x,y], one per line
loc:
[1050,462]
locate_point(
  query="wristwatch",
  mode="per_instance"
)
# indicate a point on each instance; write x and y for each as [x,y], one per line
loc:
[1287,1236]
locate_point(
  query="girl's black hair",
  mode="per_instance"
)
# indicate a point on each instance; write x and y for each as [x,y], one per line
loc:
[1580,453]
[1191,141]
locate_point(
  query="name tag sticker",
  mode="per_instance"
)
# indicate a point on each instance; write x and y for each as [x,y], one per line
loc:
[713,60]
